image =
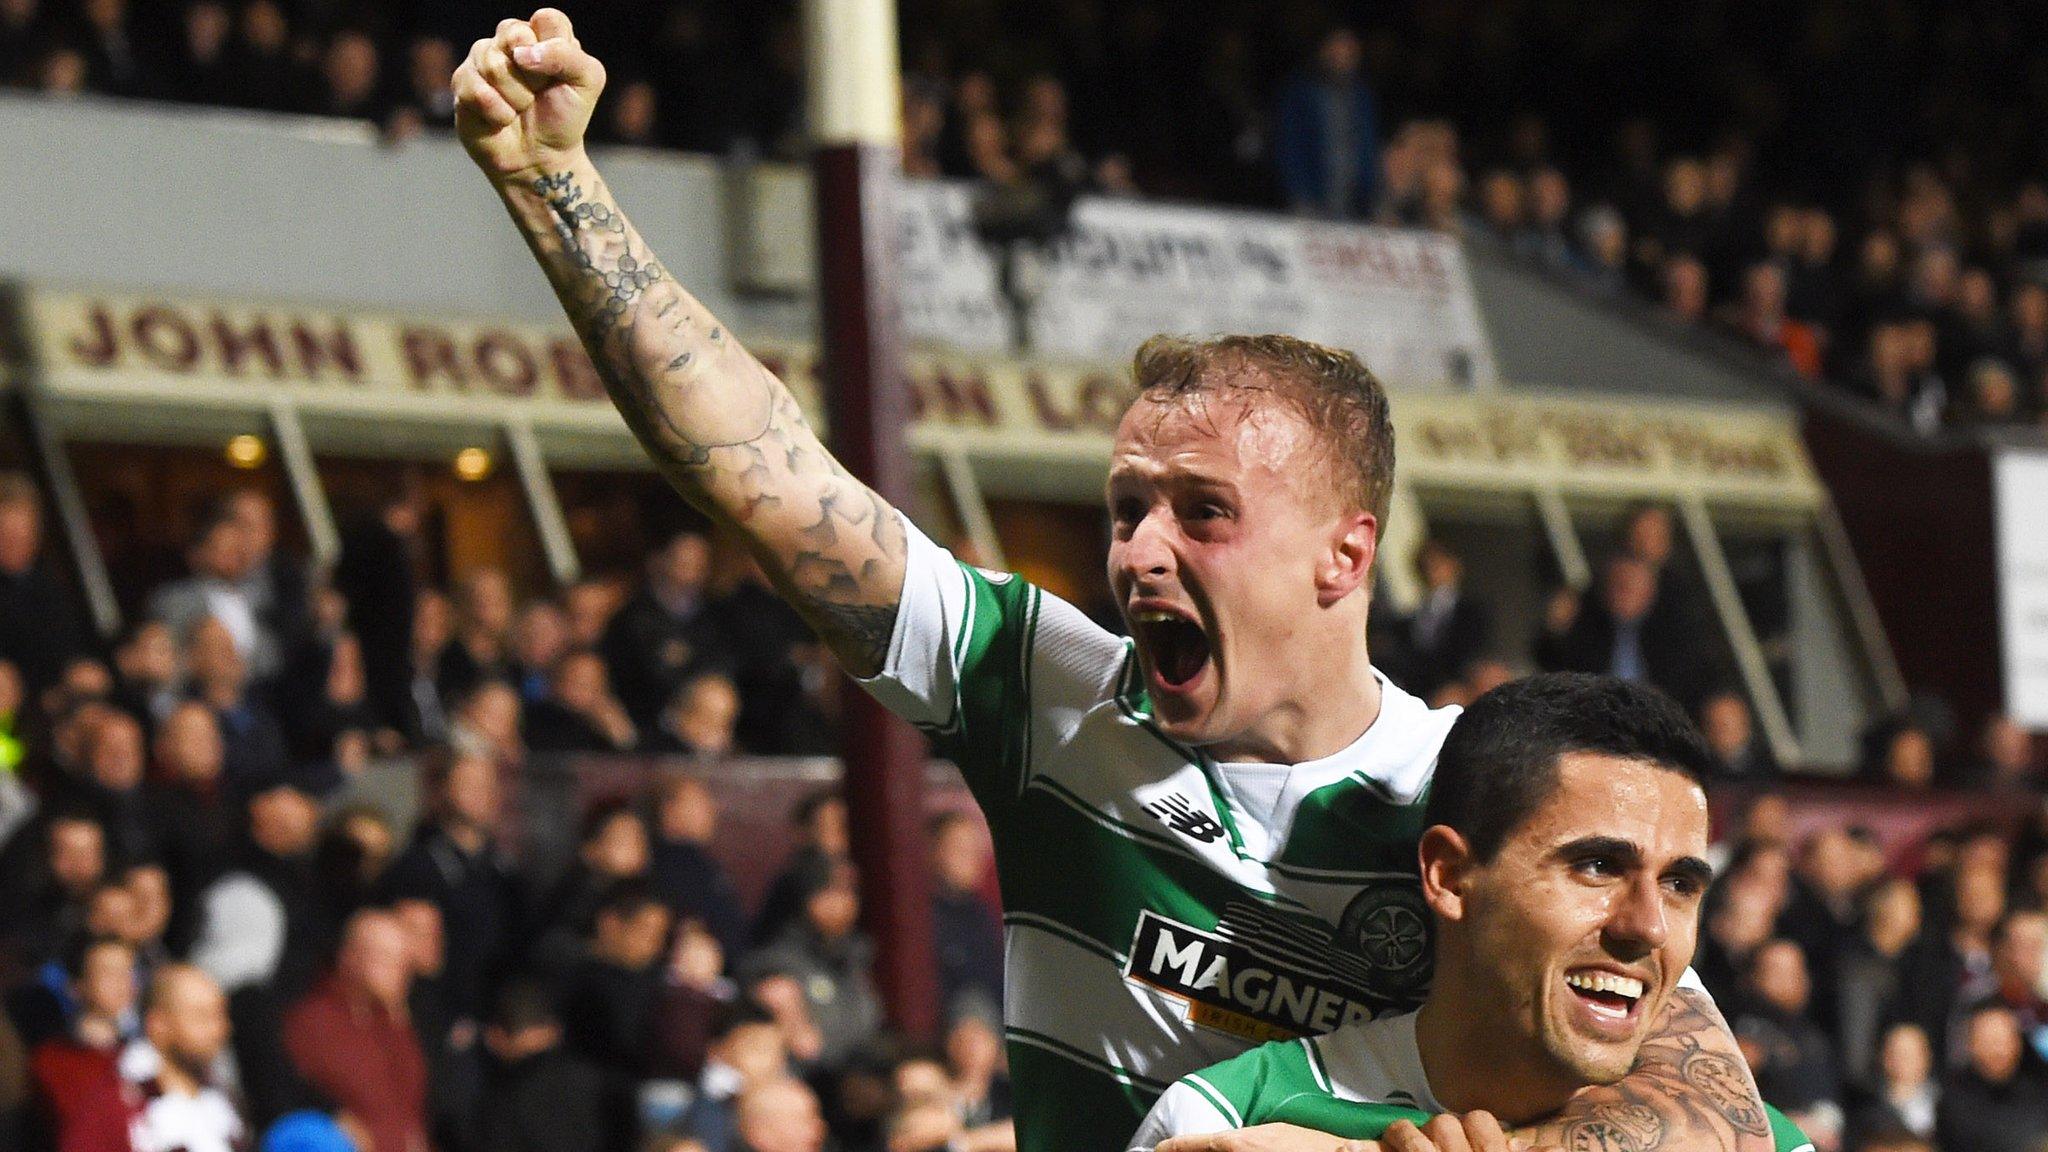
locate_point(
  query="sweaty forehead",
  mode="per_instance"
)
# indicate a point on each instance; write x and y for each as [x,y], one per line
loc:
[1228,429]
[1599,795]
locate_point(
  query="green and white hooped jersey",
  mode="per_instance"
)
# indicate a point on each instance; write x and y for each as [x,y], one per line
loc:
[1162,912]
[1353,1083]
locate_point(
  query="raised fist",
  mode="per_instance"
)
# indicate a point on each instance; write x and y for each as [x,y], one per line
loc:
[524,96]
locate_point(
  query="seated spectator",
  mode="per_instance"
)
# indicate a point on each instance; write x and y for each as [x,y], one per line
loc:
[75,1073]
[818,827]
[967,931]
[694,993]
[250,733]
[588,606]
[664,632]
[1996,1101]
[1450,628]
[48,872]
[1622,634]
[2019,969]
[580,713]
[1907,758]
[2005,759]
[980,1075]
[1792,1059]
[1905,1092]
[172,1071]
[222,562]
[146,672]
[481,648]
[540,636]
[351,1038]
[701,719]
[779,1116]
[485,724]
[353,80]
[682,868]
[609,998]
[454,1067]
[40,628]
[612,849]
[1725,720]
[271,76]
[454,863]
[1825,904]
[538,1095]
[823,950]
[1869,979]
[1943,962]
[747,1050]
[109,784]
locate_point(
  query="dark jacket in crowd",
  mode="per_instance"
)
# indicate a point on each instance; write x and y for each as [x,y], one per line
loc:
[649,651]
[837,979]
[40,628]
[967,935]
[480,904]
[375,573]
[1977,1115]
[549,1102]
[692,882]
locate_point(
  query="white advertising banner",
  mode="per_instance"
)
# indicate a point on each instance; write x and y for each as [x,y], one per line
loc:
[1125,270]
[2020,488]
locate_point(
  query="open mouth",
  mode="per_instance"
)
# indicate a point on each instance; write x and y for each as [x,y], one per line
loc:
[1606,995]
[1177,646]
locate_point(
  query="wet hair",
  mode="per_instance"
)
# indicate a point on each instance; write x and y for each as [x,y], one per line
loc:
[1328,387]
[1502,759]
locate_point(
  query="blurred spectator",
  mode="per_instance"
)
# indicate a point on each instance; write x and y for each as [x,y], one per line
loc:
[829,958]
[430,65]
[682,868]
[375,575]
[580,713]
[75,1074]
[276,585]
[746,1051]
[1792,1059]
[1942,963]
[109,785]
[612,849]
[588,606]
[426,715]
[39,626]
[485,724]
[196,817]
[482,645]
[250,733]
[1905,1090]
[454,1069]
[173,1069]
[454,863]
[1685,288]
[609,997]
[202,70]
[981,1080]
[1623,634]
[1908,758]
[2019,969]
[1738,754]
[351,1037]
[111,58]
[538,1096]
[540,636]
[819,833]
[146,669]
[220,587]
[2004,757]
[1450,628]
[1869,981]
[967,932]
[47,873]
[700,719]
[1326,137]
[20,22]
[631,115]
[664,632]
[779,1116]
[786,682]
[1996,1102]
[353,78]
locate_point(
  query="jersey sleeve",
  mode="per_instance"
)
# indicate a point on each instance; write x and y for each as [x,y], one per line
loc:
[976,655]
[1785,1135]
[1184,1109]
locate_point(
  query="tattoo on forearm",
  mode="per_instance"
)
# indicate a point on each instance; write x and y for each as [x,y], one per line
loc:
[729,434]
[1681,1094]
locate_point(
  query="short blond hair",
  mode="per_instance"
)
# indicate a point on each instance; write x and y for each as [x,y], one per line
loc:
[1329,387]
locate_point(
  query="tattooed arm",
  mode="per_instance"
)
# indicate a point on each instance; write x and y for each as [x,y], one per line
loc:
[1690,1091]
[726,433]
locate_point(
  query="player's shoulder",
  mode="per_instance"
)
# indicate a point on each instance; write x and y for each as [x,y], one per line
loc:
[1268,1073]
[1397,755]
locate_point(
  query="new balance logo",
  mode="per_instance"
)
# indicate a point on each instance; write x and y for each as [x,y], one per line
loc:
[1176,813]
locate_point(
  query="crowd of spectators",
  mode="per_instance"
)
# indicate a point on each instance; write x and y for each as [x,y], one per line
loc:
[1739,170]
[211,933]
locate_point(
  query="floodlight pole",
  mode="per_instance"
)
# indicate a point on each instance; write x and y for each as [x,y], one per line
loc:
[855,164]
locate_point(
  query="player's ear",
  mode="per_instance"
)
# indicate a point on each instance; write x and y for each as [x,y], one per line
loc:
[1447,865]
[1348,564]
